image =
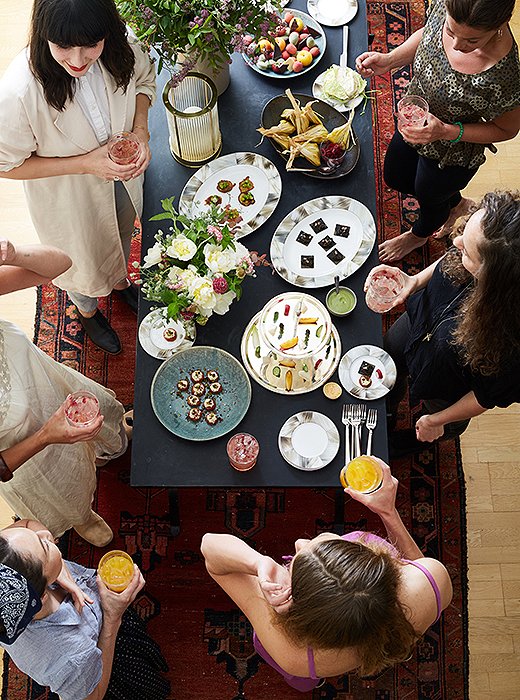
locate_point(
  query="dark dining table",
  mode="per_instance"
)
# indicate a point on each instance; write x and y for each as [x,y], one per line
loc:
[160,458]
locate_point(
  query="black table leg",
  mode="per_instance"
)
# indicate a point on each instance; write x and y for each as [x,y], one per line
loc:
[175,516]
[339,512]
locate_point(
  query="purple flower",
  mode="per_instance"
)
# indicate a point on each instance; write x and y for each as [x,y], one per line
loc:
[220,285]
[204,14]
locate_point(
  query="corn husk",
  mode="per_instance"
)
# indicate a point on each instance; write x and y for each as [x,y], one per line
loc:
[283,127]
[306,149]
[313,117]
[342,135]
[316,134]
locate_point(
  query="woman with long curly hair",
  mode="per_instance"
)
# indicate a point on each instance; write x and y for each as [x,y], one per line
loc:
[458,343]
[80,80]
[355,602]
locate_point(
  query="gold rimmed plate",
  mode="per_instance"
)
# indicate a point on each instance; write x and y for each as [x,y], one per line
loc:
[308,440]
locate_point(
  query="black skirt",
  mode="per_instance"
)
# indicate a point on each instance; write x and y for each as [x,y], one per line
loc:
[138,668]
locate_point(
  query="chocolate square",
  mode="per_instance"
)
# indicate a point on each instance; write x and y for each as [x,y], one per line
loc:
[307,261]
[366,369]
[336,256]
[342,230]
[318,225]
[326,243]
[304,238]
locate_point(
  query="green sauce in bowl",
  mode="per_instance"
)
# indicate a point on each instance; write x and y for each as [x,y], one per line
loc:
[341,302]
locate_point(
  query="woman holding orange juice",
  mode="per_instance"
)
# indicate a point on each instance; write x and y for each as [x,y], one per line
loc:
[63,627]
[355,602]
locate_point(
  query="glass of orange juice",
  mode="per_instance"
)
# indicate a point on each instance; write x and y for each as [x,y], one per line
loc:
[362,474]
[116,569]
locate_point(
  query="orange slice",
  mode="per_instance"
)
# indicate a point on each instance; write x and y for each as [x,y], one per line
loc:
[288,363]
[289,344]
[288,380]
[308,319]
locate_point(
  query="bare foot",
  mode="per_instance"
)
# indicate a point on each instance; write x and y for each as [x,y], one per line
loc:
[397,248]
[462,208]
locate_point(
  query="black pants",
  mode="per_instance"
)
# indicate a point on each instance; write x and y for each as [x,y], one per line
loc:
[437,190]
[395,341]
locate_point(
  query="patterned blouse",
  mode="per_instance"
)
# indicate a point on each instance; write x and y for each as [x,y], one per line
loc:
[459,97]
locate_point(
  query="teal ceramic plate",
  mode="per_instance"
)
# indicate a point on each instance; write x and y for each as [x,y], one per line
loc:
[171,405]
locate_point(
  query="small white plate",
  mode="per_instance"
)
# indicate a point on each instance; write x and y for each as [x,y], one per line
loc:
[317,91]
[308,440]
[382,376]
[332,13]
[151,335]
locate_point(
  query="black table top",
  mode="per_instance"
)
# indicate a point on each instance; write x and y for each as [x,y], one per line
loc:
[162,459]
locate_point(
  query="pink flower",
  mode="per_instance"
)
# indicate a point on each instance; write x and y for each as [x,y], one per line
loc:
[215,232]
[187,315]
[220,285]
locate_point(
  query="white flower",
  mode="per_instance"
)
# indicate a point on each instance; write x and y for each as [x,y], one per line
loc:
[224,301]
[153,256]
[181,248]
[241,252]
[219,260]
[201,291]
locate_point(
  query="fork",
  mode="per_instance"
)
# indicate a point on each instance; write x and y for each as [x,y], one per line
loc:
[358,416]
[345,419]
[371,423]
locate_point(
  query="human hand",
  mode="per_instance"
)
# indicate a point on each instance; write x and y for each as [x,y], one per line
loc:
[114,604]
[419,134]
[68,584]
[408,286]
[428,429]
[57,430]
[371,63]
[275,584]
[381,501]
[145,154]
[7,252]
[99,164]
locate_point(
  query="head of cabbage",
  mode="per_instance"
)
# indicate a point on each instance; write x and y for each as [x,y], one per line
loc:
[342,84]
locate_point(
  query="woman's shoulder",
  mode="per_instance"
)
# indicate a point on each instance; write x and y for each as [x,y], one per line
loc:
[18,79]
[426,591]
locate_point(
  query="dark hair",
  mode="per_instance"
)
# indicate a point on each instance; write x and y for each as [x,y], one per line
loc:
[76,23]
[485,14]
[345,594]
[488,327]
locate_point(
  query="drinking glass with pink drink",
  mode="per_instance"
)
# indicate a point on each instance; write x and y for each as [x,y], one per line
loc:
[242,450]
[124,148]
[81,409]
[412,110]
[383,288]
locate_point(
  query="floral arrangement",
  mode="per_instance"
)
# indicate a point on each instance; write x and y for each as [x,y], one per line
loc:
[197,267]
[209,29]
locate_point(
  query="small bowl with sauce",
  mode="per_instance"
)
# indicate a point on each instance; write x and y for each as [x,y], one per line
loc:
[340,301]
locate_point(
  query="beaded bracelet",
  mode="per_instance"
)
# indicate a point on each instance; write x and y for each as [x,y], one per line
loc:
[461,131]
[5,473]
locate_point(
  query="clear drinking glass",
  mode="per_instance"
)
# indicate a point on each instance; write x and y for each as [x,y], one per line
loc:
[383,288]
[362,474]
[412,110]
[242,450]
[124,148]
[116,569]
[81,409]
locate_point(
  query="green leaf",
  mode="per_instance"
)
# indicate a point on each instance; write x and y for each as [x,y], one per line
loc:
[160,217]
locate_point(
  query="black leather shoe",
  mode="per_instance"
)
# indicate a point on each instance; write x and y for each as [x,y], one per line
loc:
[101,333]
[130,296]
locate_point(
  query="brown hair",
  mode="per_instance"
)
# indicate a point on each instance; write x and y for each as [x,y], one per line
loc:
[485,14]
[488,327]
[345,594]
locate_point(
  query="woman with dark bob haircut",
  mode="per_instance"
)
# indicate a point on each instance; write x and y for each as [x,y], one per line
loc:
[64,628]
[344,603]
[466,66]
[80,80]
[457,345]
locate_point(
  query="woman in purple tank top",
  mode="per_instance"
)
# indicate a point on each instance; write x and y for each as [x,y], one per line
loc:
[347,603]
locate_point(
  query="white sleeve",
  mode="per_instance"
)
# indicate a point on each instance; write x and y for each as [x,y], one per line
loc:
[17,138]
[144,70]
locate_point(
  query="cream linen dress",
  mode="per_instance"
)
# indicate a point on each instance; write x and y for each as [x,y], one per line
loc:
[76,213]
[57,485]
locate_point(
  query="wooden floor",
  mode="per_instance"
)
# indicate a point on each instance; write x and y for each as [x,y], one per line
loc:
[490,447]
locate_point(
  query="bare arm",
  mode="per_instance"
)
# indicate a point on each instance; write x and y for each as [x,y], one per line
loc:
[431,427]
[226,554]
[412,283]
[373,63]
[29,265]
[140,129]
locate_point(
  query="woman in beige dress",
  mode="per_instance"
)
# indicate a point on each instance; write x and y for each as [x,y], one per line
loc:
[53,464]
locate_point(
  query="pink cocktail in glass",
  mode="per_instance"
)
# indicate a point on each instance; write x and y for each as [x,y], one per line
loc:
[243,451]
[124,148]
[383,288]
[81,409]
[412,110]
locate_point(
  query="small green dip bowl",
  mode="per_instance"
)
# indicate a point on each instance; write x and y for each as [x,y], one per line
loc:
[341,301]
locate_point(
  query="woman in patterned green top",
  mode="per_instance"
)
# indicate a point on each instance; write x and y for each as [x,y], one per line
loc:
[466,66]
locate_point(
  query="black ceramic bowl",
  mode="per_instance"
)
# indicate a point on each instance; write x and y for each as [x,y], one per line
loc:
[271,115]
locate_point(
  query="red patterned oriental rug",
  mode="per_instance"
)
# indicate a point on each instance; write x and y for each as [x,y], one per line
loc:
[206,641]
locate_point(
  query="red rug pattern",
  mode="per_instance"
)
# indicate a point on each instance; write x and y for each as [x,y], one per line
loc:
[206,641]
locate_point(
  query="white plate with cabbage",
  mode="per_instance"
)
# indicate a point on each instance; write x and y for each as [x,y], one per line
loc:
[342,88]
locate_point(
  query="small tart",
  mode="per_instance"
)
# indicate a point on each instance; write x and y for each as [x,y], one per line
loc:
[215,387]
[332,390]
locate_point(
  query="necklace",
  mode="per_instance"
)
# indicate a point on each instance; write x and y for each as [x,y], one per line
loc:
[429,335]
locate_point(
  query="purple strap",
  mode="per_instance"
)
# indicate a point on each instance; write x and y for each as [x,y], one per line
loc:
[312,665]
[434,585]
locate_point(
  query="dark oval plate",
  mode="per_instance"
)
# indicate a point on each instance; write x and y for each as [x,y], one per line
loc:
[271,115]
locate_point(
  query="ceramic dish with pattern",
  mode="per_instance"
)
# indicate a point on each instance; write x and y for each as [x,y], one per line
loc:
[320,40]
[200,408]
[272,115]
[317,91]
[367,372]
[332,13]
[308,441]
[158,340]
[338,236]
[270,371]
[244,171]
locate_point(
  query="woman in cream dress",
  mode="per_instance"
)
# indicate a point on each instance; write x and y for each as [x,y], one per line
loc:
[53,463]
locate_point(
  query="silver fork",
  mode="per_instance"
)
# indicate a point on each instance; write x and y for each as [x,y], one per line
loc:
[371,423]
[346,420]
[355,420]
